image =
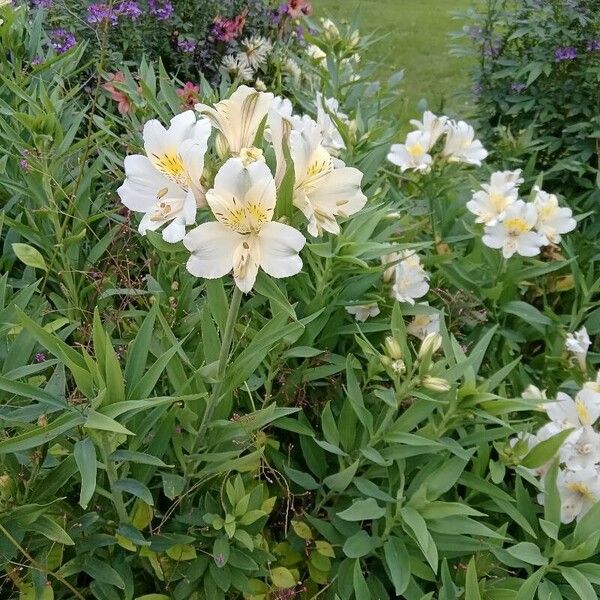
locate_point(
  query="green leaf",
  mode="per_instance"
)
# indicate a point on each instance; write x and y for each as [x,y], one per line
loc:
[221,551]
[527,312]
[361,589]
[282,578]
[137,354]
[579,582]
[552,501]
[30,256]
[134,487]
[397,560]
[96,420]
[338,482]
[544,451]
[471,582]
[416,524]
[360,544]
[362,510]
[137,457]
[52,530]
[529,587]
[528,553]
[85,457]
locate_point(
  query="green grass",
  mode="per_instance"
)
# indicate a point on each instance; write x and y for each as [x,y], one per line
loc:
[413,35]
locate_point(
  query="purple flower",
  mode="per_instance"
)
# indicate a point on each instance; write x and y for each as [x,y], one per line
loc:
[42,3]
[188,46]
[517,87]
[129,8]
[101,13]
[161,9]
[62,40]
[40,357]
[593,46]
[38,60]
[566,53]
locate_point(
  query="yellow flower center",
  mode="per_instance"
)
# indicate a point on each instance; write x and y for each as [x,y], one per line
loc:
[516,226]
[416,150]
[582,490]
[582,411]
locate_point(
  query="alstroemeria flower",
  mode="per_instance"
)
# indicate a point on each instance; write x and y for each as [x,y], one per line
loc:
[322,190]
[578,344]
[552,219]
[432,125]
[490,203]
[332,139]
[362,312]
[581,449]
[515,233]
[567,413]
[461,145]
[579,491]
[166,183]
[237,118]
[244,237]
[413,154]
[408,275]
[422,325]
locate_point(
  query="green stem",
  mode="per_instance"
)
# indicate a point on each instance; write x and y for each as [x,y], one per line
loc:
[111,473]
[234,308]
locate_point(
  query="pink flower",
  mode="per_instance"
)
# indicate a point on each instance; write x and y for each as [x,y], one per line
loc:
[299,7]
[117,95]
[226,30]
[189,95]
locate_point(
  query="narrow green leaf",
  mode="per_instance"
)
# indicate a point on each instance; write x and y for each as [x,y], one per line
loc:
[85,457]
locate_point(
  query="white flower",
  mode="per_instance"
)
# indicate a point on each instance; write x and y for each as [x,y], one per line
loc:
[330,29]
[515,232]
[256,50]
[332,139]
[461,145]
[552,219]
[567,413]
[581,449]
[431,125]
[534,393]
[316,54]
[237,118]
[244,236]
[260,85]
[413,153]
[424,324]
[237,67]
[291,66]
[166,183]
[579,491]
[578,344]
[322,189]
[362,312]
[490,203]
[594,386]
[410,279]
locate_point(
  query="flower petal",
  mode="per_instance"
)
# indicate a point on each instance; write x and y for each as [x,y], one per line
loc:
[279,247]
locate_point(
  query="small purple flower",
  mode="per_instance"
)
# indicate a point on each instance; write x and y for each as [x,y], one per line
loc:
[101,13]
[161,9]
[42,3]
[24,164]
[187,46]
[517,87]
[62,40]
[130,9]
[40,357]
[593,46]
[566,53]
[38,60]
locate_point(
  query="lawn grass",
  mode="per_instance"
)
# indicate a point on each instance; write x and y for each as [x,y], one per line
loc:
[413,35]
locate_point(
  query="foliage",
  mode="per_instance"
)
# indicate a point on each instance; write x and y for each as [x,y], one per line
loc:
[345,459]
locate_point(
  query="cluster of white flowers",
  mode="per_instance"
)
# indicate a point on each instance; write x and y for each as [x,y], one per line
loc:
[408,277]
[516,226]
[244,64]
[578,344]
[578,479]
[171,182]
[460,144]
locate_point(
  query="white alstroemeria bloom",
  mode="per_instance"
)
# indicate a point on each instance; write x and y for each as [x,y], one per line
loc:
[579,491]
[332,139]
[237,118]
[410,279]
[316,54]
[255,51]
[593,386]
[323,190]
[581,449]
[244,237]
[422,325]
[432,125]
[330,29]
[166,183]
[578,344]
[461,145]
[533,392]
[567,413]
[362,312]
[237,67]
[552,219]
[515,233]
[489,204]
[413,153]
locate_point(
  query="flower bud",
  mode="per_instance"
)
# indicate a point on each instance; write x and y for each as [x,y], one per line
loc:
[430,345]
[399,367]
[392,348]
[435,384]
